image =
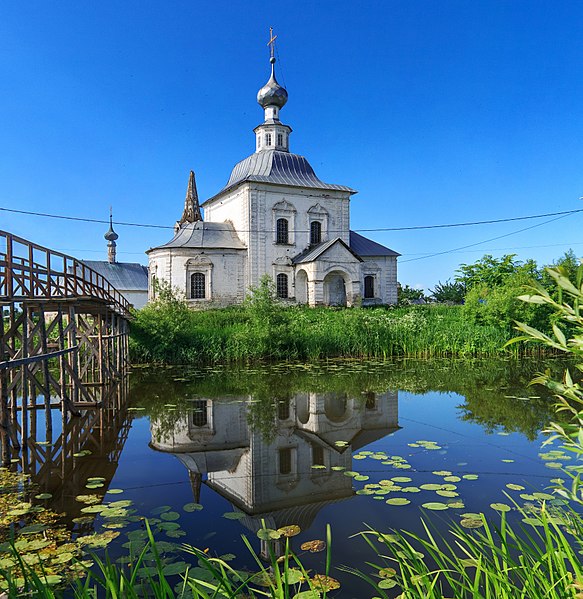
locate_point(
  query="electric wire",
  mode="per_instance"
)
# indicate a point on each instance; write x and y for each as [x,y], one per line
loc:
[471,245]
[377,229]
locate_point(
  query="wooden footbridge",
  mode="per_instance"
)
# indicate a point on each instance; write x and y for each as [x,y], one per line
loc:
[63,337]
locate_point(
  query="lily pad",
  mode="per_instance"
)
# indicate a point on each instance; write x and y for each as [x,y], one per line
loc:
[313,546]
[435,505]
[268,534]
[472,522]
[324,583]
[514,487]
[398,501]
[192,507]
[289,531]
[500,507]
[234,515]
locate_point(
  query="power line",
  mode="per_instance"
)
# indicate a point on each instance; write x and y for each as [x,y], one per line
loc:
[378,229]
[465,247]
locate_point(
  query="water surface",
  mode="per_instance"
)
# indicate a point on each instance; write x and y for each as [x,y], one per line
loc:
[304,444]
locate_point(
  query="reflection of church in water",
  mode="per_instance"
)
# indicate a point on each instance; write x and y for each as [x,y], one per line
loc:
[273,477]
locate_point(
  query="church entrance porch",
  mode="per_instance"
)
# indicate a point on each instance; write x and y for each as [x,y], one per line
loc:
[335,289]
[302,287]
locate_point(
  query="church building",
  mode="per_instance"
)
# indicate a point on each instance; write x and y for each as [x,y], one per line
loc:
[276,217]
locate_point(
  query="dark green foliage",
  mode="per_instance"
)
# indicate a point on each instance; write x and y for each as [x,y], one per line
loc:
[408,295]
[180,336]
[449,292]
[494,272]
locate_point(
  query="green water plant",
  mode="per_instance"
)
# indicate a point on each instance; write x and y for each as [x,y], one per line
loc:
[478,560]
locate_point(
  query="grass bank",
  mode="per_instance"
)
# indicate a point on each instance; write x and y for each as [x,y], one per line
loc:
[171,333]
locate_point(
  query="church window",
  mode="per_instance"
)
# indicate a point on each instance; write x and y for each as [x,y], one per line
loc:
[199,413]
[317,455]
[281,230]
[315,232]
[279,139]
[285,461]
[283,409]
[268,139]
[368,286]
[282,285]
[197,285]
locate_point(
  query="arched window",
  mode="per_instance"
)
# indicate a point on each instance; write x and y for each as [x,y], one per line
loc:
[197,285]
[281,230]
[368,286]
[281,285]
[315,232]
[199,413]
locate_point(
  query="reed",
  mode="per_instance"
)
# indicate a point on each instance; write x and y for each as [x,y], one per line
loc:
[162,334]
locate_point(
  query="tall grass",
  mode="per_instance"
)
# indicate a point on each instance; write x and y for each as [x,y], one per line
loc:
[170,335]
[537,560]
[281,577]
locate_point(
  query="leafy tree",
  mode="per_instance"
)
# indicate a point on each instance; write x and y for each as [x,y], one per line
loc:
[408,295]
[449,292]
[493,272]
[493,285]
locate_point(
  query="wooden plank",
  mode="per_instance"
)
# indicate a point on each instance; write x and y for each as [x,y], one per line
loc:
[37,358]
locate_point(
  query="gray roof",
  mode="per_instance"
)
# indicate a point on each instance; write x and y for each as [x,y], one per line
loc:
[281,168]
[314,252]
[200,234]
[367,247]
[124,276]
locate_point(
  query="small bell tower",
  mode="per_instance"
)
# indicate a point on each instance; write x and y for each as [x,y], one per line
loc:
[111,236]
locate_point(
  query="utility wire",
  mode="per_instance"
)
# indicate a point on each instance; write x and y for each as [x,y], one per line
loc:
[465,247]
[378,229]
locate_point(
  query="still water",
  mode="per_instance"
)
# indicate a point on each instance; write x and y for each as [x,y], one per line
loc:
[211,454]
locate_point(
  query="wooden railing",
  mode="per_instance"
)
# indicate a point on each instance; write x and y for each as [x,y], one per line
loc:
[30,271]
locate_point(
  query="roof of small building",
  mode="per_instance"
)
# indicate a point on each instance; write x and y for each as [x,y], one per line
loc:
[124,276]
[367,247]
[314,252]
[281,168]
[201,235]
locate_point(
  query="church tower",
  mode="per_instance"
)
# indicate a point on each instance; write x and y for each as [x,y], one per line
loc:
[111,236]
[272,134]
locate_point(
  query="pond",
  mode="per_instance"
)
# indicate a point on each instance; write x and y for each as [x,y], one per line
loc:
[211,454]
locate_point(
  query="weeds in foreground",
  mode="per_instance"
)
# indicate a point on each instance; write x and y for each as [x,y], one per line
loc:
[538,559]
[282,577]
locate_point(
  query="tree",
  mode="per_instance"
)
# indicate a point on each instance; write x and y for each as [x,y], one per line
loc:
[449,292]
[493,272]
[409,295]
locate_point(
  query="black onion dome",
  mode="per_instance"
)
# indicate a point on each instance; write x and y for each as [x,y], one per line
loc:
[272,93]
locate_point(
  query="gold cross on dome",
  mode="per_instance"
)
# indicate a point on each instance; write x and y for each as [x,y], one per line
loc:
[271,42]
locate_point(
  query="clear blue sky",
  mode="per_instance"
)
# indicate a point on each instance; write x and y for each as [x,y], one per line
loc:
[436,111]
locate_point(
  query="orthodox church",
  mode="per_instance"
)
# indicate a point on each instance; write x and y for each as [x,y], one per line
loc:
[274,216]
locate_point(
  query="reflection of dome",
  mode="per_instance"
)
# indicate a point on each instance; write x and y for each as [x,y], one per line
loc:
[272,93]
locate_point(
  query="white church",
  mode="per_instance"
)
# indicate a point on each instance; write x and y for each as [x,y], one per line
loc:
[274,216]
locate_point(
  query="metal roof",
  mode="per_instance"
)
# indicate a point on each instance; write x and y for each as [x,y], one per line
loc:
[313,253]
[367,247]
[124,276]
[202,234]
[281,168]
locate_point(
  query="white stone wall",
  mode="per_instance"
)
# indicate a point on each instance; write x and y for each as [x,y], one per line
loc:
[224,271]
[138,299]
[252,208]
[384,269]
